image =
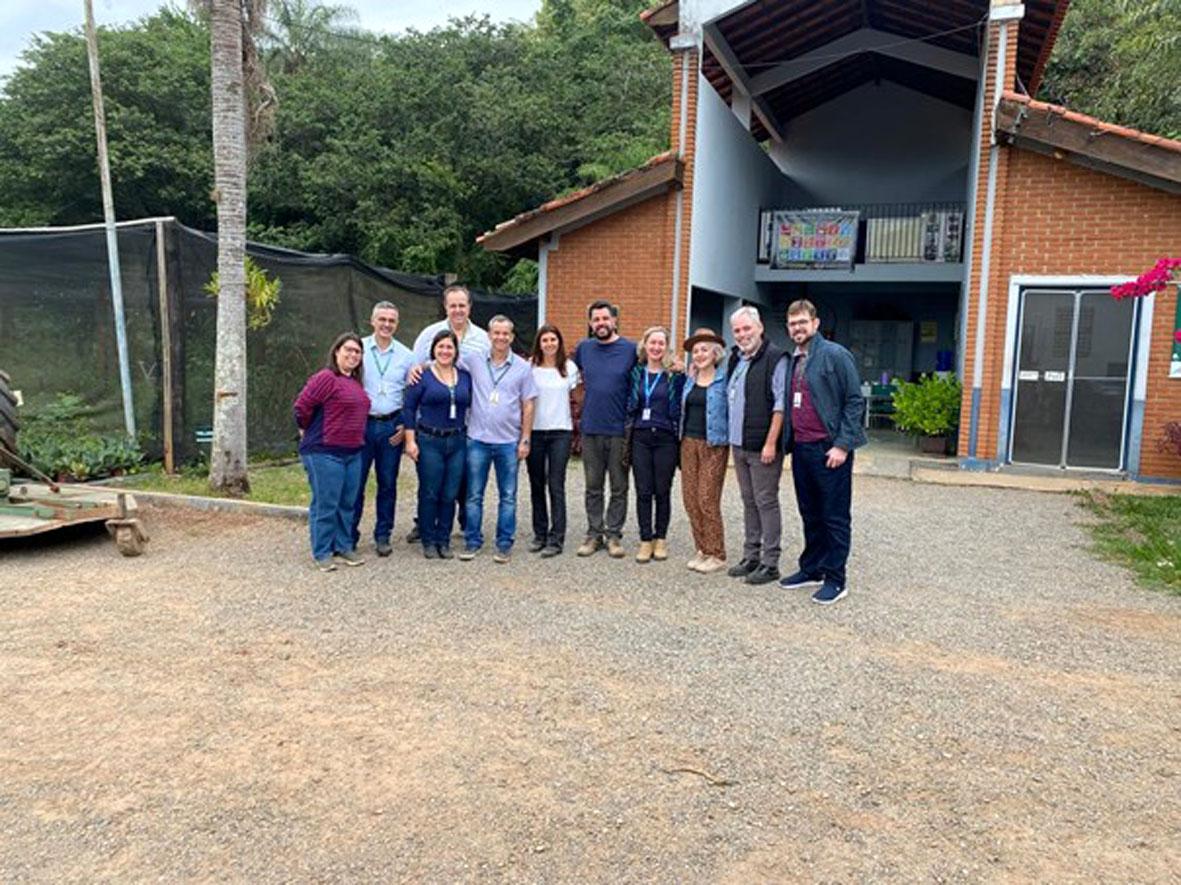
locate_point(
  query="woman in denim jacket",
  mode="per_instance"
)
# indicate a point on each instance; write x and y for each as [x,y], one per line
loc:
[704,433]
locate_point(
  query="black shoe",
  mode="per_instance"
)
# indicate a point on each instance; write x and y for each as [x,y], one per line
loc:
[412,536]
[764,574]
[430,551]
[445,552]
[550,550]
[536,545]
[743,568]
[383,548]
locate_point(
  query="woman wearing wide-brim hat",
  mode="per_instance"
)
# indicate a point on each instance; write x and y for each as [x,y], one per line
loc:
[704,432]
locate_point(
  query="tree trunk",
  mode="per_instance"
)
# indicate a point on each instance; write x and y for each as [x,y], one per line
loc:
[227,461]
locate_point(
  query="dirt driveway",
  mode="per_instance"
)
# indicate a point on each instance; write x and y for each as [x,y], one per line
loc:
[989,703]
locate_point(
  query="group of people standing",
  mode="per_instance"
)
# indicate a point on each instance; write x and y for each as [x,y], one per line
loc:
[462,405]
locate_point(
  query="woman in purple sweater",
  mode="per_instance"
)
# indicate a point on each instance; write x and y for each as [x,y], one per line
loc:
[331,411]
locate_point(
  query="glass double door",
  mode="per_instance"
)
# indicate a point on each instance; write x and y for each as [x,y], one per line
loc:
[1071,394]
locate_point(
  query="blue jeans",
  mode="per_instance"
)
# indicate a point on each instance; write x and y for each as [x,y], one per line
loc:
[825,497]
[334,480]
[481,457]
[440,470]
[386,460]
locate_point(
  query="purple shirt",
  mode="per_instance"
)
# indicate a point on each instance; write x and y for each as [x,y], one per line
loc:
[331,411]
[497,394]
[806,426]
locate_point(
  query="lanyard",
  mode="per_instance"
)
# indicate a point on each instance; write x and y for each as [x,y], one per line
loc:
[496,379]
[650,389]
[450,389]
[381,370]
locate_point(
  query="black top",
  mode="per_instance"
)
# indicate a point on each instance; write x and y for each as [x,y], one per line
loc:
[695,413]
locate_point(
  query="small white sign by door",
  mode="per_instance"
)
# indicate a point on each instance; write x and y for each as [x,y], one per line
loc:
[1055,376]
[1026,375]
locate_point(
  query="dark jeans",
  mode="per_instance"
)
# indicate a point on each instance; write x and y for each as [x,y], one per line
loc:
[386,460]
[602,458]
[481,458]
[334,480]
[654,462]
[441,466]
[825,497]
[549,453]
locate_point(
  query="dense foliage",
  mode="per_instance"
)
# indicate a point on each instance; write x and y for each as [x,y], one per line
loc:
[1120,61]
[399,149]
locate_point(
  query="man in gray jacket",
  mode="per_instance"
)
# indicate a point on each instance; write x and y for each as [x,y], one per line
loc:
[823,429]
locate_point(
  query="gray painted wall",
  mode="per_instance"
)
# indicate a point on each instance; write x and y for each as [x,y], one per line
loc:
[735,178]
[880,143]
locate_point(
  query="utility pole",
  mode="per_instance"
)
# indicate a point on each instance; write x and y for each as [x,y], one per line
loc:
[104,169]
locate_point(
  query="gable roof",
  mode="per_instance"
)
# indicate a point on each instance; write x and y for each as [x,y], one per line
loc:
[519,234]
[1150,159]
[755,37]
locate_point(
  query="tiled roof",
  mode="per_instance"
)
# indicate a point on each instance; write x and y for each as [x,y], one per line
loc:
[661,168]
[1098,126]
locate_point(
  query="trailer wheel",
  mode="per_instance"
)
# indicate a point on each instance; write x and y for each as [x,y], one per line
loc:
[8,420]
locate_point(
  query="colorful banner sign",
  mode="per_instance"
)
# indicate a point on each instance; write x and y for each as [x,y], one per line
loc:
[814,238]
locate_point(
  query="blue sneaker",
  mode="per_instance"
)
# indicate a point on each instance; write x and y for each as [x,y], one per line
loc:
[829,593]
[797,580]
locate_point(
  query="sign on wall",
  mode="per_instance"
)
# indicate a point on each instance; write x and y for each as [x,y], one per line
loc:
[1175,365]
[814,238]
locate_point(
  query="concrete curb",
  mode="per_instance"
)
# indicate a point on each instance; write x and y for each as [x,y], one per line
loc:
[214,505]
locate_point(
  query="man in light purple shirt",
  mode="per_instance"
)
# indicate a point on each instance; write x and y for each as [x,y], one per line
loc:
[500,424]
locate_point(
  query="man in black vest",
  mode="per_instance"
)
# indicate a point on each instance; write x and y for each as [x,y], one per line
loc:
[755,384]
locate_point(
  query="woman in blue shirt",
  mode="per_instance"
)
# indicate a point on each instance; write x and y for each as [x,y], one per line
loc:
[435,412]
[654,414]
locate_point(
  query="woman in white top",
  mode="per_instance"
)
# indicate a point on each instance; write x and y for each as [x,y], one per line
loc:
[553,430]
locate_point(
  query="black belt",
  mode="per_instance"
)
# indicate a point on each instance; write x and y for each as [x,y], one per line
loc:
[435,431]
[391,415]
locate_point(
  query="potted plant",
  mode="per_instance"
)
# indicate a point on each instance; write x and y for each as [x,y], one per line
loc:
[930,409]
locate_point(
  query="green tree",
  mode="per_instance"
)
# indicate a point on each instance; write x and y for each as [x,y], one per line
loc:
[1120,60]
[156,92]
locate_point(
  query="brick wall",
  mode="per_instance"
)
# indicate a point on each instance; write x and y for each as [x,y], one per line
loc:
[1053,217]
[1062,219]
[626,258]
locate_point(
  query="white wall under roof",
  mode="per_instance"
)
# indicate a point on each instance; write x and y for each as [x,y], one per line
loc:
[879,143]
[734,179]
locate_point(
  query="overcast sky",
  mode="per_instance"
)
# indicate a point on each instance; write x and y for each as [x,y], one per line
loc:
[20,19]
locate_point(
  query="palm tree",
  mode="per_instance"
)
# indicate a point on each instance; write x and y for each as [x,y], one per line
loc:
[227,461]
[300,28]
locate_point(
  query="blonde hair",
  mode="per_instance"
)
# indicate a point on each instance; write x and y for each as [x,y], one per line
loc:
[719,352]
[642,347]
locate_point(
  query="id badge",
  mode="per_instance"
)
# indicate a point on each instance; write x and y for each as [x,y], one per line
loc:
[493,398]
[797,399]
[647,415]
[453,411]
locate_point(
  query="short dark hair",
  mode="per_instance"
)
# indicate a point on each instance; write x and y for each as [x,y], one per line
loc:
[802,305]
[439,336]
[341,340]
[601,305]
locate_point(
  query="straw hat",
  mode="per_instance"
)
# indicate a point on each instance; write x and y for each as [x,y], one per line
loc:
[700,335]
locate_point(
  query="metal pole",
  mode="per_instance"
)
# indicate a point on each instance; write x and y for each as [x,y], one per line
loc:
[165,343]
[104,168]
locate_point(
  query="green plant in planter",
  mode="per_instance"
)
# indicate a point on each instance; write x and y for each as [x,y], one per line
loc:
[929,406]
[59,439]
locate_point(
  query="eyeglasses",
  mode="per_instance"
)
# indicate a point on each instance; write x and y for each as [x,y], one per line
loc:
[351,349]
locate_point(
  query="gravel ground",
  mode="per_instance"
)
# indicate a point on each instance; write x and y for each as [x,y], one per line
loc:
[989,703]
